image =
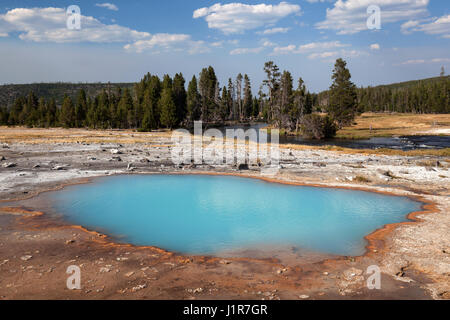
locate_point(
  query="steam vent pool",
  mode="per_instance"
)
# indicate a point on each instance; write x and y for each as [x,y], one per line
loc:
[208,214]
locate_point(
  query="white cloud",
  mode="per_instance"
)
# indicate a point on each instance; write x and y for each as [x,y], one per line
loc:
[238,17]
[245,50]
[109,6]
[437,26]
[375,46]
[350,16]
[167,41]
[312,47]
[323,55]
[424,61]
[439,60]
[332,55]
[321,46]
[49,25]
[217,44]
[315,1]
[267,43]
[274,30]
[284,50]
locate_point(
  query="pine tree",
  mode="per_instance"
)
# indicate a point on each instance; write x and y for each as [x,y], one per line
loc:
[273,84]
[343,104]
[179,92]
[80,109]
[299,108]
[125,109]
[16,110]
[193,101]
[231,100]
[238,88]
[223,111]
[28,114]
[248,98]
[167,82]
[207,88]
[41,113]
[103,116]
[148,122]
[91,116]
[154,87]
[51,114]
[67,114]
[168,108]
[286,99]
[255,108]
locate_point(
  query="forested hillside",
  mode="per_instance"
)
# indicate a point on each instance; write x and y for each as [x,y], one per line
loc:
[10,92]
[420,96]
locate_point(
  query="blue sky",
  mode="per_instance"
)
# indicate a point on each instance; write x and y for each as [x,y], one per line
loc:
[120,41]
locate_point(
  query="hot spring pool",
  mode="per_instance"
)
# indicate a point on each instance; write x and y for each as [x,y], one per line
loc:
[202,214]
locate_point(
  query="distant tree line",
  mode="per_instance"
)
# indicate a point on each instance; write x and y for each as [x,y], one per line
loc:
[56,90]
[425,96]
[155,103]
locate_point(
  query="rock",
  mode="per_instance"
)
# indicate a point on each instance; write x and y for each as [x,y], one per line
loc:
[9,165]
[121,259]
[145,160]
[116,158]
[130,167]
[243,166]
[319,164]
[36,166]
[280,271]
[59,168]
[139,287]
[196,290]
[104,269]
[2,158]
[352,272]
[303,296]
[116,151]
[129,274]
[92,158]
[70,241]
[26,257]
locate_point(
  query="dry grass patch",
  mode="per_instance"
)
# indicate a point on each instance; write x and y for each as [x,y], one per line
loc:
[394,124]
[362,179]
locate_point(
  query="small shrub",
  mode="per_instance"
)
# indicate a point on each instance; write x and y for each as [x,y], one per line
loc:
[315,126]
[362,179]
[389,174]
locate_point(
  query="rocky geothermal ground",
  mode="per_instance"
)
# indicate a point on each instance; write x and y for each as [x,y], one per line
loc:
[36,249]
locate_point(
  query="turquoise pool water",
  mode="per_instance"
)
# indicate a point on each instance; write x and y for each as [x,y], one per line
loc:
[200,214]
